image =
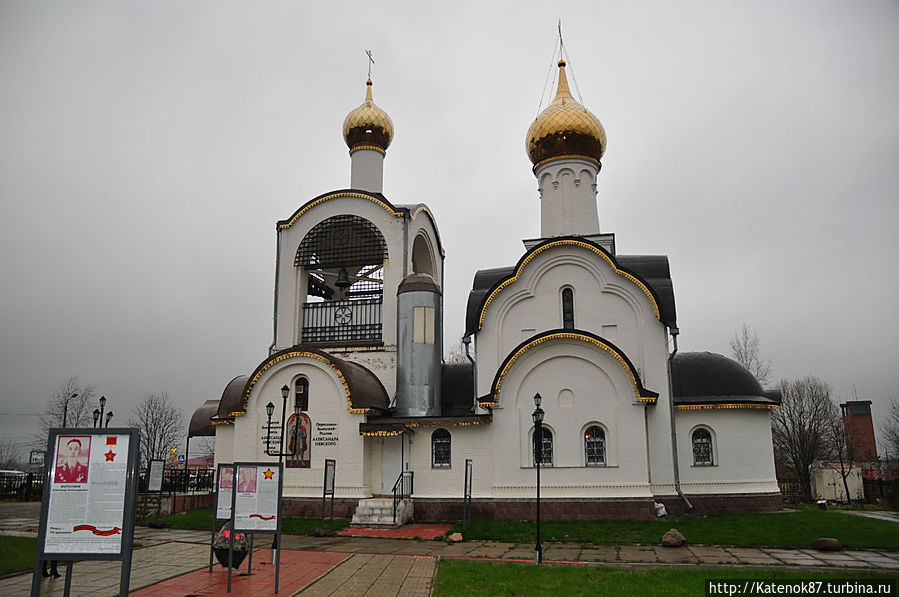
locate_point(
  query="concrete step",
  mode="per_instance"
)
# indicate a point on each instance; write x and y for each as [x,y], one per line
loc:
[379,512]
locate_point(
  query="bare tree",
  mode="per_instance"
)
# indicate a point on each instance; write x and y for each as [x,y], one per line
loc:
[456,354]
[890,428]
[161,426]
[10,455]
[747,350]
[839,444]
[800,427]
[70,405]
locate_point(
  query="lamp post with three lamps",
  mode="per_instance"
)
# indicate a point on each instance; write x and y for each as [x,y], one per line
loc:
[98,414]
[537,415]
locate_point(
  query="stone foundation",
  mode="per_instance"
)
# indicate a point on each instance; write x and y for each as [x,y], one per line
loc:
[723,503]
[343,507]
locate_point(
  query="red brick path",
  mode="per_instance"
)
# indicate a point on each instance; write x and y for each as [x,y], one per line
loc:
[298,570]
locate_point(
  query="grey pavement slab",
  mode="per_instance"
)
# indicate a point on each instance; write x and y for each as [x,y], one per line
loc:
[562,552]
[712,554]
[490,550]
[675,555]
[636,553]
[599,553]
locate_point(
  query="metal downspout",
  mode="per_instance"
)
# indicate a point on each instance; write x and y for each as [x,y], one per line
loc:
[466,342]
[674,333]
[271,349]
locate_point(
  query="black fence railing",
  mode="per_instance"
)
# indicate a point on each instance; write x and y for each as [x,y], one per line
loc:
[24,487]
[402,489]
[342,322]
[181,481]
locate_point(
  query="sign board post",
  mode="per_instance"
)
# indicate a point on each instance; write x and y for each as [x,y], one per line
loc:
[256,504]
[224,488]
[328,488]
[466,496]
[87,511]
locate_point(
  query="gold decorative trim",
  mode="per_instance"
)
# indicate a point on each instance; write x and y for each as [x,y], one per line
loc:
[380,433]
[577,243]
[223,422]
[321,200]
[356,148]
[566,156]
[290,355]
[726,406]
[571,336]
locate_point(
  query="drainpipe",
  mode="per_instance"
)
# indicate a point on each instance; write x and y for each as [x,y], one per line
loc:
[271,349]
[466,342]
[674,333]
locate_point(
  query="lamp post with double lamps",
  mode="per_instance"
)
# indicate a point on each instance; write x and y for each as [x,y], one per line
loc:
[280,453]
[537,415]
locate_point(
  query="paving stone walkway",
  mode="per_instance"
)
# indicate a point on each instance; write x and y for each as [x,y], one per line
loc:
[174,562]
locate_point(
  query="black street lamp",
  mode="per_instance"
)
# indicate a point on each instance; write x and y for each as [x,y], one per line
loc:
[280,453]
[98,414]
[65,408]
[538,457]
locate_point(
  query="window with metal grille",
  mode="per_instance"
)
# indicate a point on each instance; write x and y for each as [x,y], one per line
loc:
[568,309]
[547,451]
[595,446]
[702,447]
[441,449]
[301,391]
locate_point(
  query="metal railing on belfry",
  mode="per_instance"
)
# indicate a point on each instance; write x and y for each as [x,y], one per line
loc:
[401,490]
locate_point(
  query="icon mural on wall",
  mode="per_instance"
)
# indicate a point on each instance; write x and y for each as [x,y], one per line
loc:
[299,451]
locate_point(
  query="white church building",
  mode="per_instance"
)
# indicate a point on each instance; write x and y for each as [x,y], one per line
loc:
[358,347]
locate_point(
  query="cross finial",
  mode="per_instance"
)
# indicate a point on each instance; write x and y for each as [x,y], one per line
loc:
[371,61]
[561,43]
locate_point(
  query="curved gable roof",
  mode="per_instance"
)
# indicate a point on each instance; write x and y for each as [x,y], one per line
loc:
[640,392]
[650,273]
[364,391]
[200,423]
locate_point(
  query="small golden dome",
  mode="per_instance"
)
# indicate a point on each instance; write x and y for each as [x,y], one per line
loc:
[565,127]
[368,125]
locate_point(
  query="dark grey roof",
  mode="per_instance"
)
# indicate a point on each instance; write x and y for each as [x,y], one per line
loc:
[232,397]
[200,425]
[652,270]
[710,378]
[457,389]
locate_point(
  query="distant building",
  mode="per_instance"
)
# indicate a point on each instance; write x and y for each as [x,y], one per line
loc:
[358,345]
[859,430]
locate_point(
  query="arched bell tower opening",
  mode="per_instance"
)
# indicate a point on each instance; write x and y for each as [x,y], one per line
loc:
[342,259]
[422,257]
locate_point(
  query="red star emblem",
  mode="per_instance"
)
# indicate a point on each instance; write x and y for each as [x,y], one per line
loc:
[269,473]
[110,456]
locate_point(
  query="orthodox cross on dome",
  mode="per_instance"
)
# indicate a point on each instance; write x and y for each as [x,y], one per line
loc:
[371,60]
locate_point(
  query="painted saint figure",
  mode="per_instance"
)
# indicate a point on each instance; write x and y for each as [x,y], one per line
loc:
[71,459]
[298,441]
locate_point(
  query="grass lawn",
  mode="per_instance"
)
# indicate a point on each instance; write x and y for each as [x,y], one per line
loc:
[290,525]
[466,578]
[17,554]
[788,529]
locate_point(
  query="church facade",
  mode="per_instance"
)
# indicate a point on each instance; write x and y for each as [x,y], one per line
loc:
[356,365]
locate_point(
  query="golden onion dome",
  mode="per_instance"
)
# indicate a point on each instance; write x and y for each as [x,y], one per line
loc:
[368,125]
[565,128]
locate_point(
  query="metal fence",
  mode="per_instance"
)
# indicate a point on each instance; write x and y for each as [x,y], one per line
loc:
[24,487]
[181,481]
[342,321]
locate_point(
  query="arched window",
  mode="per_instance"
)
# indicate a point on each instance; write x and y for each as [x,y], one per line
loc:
[301,391]
[547,451]
[441,449]
[702,448]
[568,308]
[595,446]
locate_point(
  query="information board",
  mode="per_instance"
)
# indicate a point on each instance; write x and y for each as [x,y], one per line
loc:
[157,468]
[224,488]
[257,497]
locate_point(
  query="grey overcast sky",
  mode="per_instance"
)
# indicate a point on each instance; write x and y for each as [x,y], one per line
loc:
[148,148]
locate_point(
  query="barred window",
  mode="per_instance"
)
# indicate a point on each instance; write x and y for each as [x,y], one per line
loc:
[702,448]
[568,309]
[441,449]
[547,451]
[301,390]
[595,446]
